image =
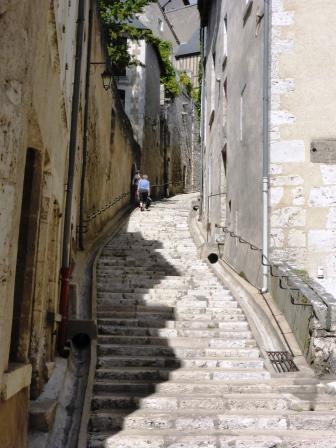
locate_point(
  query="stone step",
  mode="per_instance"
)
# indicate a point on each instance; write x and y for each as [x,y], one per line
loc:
[161,295]
[129,387]
[213,439]
[176,342]
[201,402]
[179,308]
[181,352]
[171,332]
[264,420]
[167,403]
[172,324]
[129,361]
[171,302]
[151,317]
[182,374]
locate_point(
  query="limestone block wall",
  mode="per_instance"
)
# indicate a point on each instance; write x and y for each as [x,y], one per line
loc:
[303,98]
[311,314]
[112,150]
[36,86]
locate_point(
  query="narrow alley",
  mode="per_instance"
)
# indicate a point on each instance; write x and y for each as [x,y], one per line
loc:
[167,224]
[177,363]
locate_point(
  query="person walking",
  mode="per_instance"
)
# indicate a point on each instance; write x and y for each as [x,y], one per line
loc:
[135,182]
[144,192]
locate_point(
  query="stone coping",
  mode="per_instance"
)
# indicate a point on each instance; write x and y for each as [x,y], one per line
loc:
[17,377]
[323,303]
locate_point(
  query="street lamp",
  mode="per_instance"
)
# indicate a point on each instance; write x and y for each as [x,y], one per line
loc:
[107,79]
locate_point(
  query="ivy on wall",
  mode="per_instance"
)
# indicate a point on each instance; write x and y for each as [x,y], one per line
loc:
[117,18]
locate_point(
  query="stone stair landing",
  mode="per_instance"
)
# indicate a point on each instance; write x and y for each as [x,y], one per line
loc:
[177,364]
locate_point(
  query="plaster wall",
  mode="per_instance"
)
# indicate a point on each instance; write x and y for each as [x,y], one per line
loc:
[232,154]
[303,94]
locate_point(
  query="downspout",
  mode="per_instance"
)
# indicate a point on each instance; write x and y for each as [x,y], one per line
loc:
[85,129]
[203,87]
[265,173]
[65,270]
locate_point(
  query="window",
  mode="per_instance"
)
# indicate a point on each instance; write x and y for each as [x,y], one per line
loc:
[224,102]
[242,107]
[247,8]
[225,38]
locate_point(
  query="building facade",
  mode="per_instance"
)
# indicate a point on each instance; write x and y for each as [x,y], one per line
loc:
[49,111]
[269,135]
[168,162]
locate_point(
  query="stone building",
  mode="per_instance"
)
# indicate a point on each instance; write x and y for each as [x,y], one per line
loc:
[268,134]
[66,158]
[168,160]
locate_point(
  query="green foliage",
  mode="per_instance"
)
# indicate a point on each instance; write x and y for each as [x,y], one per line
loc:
[116,16]
[169,79]
[197,93]
[186,82]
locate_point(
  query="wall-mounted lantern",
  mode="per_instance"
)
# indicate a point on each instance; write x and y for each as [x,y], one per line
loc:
[107,77]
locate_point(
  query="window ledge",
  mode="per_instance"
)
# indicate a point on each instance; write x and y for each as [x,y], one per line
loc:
[16,378]
[247,11]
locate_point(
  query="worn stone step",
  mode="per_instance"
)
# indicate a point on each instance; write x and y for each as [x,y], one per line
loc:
[175,342]
[180,352]
[224,316]
[182,374]
[235,421]
[172,324]
[172,332]
[187,402]
[150,315]
[129,387]
[213,439]
[133,361]
[175,302]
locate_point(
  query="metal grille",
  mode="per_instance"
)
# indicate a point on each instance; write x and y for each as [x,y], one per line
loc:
[282,362]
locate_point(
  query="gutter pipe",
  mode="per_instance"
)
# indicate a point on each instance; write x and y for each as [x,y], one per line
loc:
[85,129]
[203,87]
[66,269]
[265,169]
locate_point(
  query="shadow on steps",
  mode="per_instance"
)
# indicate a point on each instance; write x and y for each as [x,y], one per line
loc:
[134,322]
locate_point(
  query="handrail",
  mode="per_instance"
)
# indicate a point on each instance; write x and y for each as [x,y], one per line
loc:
[118,198]
[266,262]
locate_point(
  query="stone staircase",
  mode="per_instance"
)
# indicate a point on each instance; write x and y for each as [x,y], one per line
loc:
[177,364]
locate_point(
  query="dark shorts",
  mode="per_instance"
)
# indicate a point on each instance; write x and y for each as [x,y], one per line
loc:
[143,196]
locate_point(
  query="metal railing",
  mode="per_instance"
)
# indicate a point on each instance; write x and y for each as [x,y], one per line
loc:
[265,261]
[114,201]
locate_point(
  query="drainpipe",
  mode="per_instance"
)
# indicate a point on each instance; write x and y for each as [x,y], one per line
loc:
[85,129]
[265,173]
[66,269]
[203,87]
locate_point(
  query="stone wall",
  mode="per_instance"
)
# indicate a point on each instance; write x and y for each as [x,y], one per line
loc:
[311,314]
[182,145]
[303,97]
[232,115]
[36,86]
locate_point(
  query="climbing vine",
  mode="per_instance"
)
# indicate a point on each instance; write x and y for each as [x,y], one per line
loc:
[117,18]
